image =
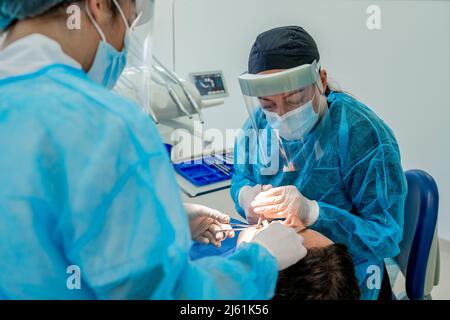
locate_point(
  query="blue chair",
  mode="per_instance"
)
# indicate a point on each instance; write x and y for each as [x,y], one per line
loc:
[419,250]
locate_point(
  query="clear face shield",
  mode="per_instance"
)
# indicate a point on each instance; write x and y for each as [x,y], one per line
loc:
[284,109]
[134,82]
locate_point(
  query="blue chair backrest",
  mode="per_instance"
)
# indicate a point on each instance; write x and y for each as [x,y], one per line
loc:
[421,212]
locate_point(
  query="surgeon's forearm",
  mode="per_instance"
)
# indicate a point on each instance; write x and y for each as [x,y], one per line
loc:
[238,182]
[250,273]
[365,238]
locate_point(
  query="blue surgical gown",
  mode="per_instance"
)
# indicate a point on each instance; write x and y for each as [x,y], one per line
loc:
[85,181]
[350,163]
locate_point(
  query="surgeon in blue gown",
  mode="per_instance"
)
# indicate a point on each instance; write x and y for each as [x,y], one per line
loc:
[89,205]
[349,184]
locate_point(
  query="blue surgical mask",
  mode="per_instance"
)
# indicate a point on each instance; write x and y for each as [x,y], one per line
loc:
[109,63]
[295,124]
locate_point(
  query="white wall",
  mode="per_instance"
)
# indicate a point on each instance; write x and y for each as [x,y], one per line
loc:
[401,71]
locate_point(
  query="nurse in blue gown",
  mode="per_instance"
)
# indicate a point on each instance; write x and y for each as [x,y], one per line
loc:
[86,186]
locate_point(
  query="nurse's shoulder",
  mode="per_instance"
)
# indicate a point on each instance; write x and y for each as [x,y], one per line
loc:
[77,114]
[99,108]
[360,132]
[357,119]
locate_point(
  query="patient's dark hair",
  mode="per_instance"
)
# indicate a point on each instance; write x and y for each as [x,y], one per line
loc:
[324,274]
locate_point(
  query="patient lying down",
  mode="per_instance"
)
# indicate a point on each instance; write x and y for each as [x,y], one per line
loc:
[326,273]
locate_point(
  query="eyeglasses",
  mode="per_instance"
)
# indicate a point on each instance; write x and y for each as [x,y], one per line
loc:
[291,100]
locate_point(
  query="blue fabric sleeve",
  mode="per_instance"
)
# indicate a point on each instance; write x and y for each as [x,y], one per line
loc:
[374,179]
[249,274]
[243,175]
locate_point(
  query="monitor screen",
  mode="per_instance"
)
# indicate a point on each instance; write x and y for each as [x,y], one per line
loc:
[210,85]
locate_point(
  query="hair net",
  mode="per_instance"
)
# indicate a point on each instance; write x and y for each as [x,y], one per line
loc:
[282,48]
[21,9]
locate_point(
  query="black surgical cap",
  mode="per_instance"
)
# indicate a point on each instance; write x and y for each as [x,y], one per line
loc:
[282,48]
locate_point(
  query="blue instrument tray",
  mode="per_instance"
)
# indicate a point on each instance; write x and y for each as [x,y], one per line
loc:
[203,173]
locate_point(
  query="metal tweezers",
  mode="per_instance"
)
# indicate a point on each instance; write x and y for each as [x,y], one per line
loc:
[242,226]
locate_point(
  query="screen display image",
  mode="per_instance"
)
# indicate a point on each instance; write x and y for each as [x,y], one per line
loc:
[210,85]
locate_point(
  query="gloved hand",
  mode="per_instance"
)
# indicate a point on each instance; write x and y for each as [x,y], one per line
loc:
[206,224]
[283,243]
[247,235]
[246,197]
[288,203]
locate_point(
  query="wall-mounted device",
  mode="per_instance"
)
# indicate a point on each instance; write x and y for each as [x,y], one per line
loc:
[211,85]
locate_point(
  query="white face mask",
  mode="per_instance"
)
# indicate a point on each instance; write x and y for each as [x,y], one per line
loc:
[295,124]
